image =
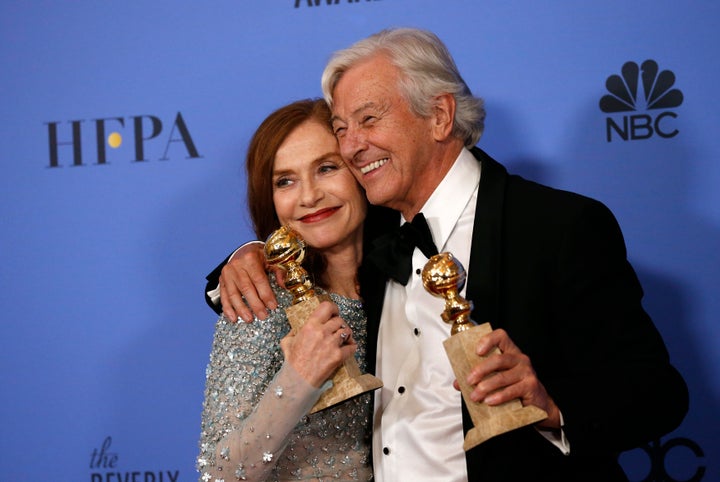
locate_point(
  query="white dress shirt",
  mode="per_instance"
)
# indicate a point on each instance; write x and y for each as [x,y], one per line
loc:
[418,431]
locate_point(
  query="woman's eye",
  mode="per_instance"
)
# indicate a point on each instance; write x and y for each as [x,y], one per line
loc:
[282,182]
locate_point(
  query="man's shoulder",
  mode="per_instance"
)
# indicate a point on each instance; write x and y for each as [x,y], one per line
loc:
[379,220]
[535,197]
[530,187]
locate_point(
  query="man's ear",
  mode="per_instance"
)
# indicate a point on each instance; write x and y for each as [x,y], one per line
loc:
[443,116]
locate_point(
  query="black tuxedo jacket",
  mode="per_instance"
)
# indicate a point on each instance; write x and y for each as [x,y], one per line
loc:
[550,268]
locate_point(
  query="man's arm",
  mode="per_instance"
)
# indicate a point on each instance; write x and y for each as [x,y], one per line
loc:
[239,286]
[212,288]
[621,389]
[517,378]
[597,354]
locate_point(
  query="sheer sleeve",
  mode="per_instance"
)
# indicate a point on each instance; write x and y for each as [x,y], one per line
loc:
[250,405]
[254,421]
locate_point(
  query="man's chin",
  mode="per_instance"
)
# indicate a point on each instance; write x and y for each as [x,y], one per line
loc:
[378,197]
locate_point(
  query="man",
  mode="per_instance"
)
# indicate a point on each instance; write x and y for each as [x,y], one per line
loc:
[546,268]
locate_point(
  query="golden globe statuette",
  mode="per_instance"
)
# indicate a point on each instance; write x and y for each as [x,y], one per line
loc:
[285,248]
[443,276]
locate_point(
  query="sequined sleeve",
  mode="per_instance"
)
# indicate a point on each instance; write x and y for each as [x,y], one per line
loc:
[254,422]
[250,405]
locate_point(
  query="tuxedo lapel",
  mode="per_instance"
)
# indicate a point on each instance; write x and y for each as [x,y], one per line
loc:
[379,221]
[483,287]
[484,271]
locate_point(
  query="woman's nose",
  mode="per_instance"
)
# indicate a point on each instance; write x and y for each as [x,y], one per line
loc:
[311,193]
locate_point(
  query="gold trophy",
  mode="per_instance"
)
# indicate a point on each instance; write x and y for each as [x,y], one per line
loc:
[443,276]
[285,248]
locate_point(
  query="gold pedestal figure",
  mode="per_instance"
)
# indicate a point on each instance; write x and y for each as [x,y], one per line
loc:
[443,276]
[285,248]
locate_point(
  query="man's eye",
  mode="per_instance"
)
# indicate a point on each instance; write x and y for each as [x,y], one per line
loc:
[328,168]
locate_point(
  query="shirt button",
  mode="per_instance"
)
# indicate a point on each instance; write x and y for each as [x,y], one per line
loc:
[416,331]
[401,390]
[386,451]
[417,271]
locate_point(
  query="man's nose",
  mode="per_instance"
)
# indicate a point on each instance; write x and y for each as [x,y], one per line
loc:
[352,143]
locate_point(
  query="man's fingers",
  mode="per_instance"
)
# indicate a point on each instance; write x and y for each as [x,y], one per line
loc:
[252,300]
[241,309]
[260,291]
[231,294]
[496,339]
[228,310]
[244,286]
[279,275]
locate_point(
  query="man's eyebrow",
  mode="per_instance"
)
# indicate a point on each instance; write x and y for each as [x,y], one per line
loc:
[361,108]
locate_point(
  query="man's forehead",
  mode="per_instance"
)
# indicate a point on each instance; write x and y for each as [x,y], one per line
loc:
[354,111]
[365,85]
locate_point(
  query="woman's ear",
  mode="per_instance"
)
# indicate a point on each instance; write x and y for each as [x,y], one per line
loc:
[443,116]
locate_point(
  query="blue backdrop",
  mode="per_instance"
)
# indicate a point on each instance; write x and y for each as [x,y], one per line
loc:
[124,127]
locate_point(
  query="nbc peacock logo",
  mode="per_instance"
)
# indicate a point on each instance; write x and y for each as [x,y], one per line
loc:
[643,88]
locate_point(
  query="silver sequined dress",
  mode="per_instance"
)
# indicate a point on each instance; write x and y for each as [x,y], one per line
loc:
[254,422]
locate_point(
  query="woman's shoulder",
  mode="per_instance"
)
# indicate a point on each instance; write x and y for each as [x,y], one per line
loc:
[282,295]
[274,325]
[351,310]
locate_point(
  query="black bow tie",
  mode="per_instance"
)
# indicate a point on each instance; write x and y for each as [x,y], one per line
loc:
[392,252]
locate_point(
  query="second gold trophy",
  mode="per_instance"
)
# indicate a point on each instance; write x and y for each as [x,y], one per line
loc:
[443,276]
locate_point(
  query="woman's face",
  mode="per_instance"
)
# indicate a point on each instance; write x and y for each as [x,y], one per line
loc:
[314,192]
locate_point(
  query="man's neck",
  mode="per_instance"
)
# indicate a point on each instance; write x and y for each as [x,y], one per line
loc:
[426,186]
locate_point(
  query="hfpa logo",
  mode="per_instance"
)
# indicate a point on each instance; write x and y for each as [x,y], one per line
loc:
[657,93]
[144,128]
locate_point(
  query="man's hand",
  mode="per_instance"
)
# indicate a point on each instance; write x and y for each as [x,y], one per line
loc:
[507,374]
[244,275]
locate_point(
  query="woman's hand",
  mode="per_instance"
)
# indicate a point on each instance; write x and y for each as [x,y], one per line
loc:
[320,346]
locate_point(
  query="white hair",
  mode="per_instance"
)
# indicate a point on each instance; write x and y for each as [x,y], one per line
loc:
[427,71]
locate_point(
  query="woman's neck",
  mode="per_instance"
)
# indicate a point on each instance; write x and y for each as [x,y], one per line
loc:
[341,272]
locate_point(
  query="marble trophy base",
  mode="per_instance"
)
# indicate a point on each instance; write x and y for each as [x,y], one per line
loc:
[348,381]
[488,421]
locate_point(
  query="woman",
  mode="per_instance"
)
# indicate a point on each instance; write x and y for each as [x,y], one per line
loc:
[261,380]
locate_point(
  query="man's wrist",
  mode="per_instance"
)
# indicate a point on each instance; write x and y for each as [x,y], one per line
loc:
[249,243]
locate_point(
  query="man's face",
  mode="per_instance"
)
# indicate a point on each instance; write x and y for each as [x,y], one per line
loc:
[388,148]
